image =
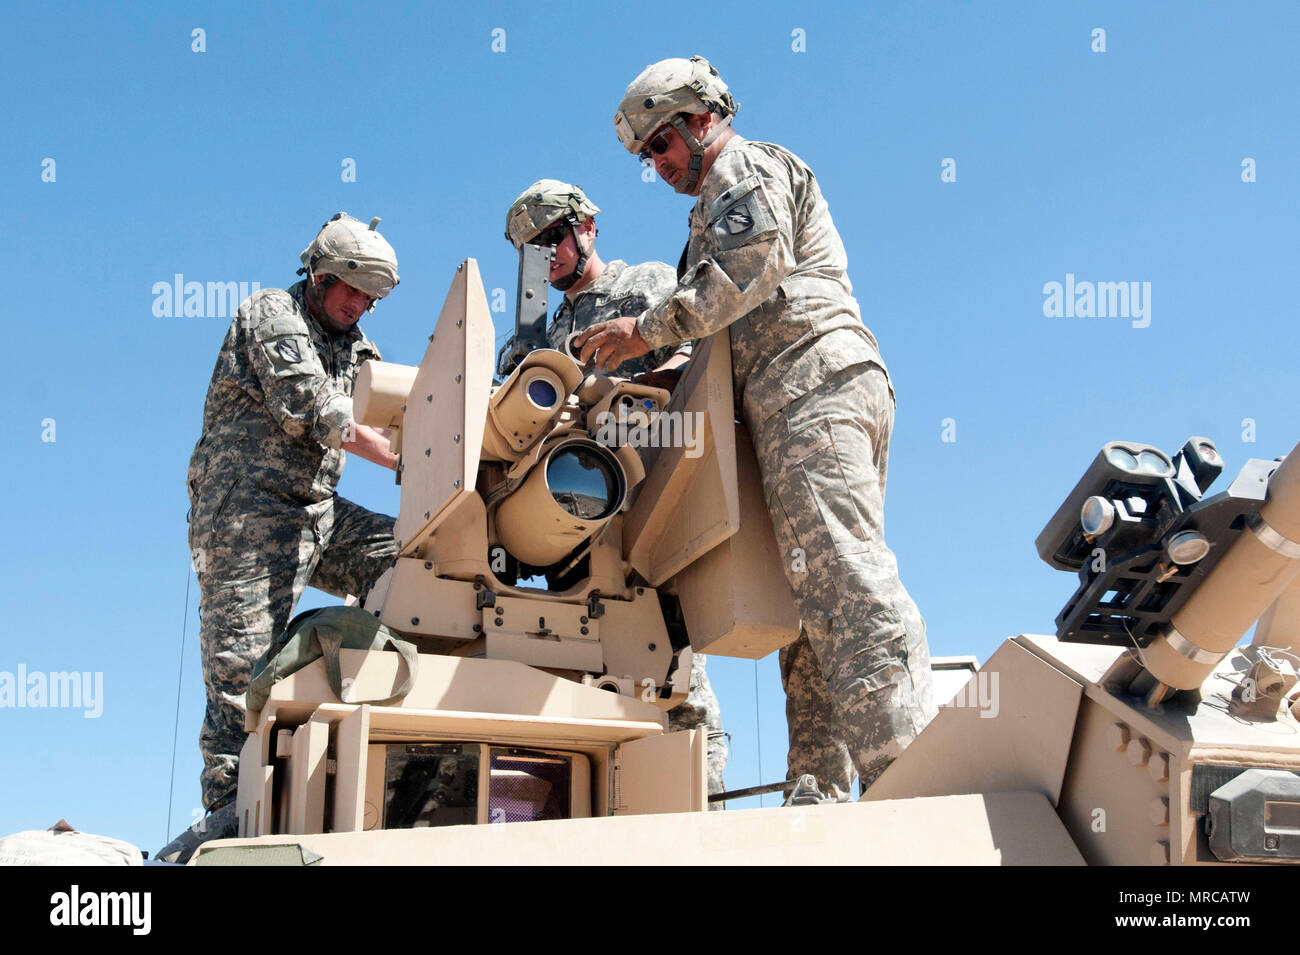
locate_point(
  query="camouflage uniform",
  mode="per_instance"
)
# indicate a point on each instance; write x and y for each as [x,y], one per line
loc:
[765,259]
[623,289]
[264,519]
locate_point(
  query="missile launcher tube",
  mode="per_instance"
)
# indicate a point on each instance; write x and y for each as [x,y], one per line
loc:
[1259,566]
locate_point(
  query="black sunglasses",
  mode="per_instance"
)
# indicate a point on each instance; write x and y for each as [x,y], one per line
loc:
[658,146]
[552,236]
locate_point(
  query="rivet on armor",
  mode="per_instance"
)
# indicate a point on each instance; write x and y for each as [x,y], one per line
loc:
[1159,853]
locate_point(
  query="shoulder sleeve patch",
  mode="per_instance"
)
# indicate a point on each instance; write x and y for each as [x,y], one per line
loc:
[741,214]
[732,195]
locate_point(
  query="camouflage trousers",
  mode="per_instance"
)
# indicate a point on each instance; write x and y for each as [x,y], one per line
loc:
[700,711]
[254,552]
[857,680]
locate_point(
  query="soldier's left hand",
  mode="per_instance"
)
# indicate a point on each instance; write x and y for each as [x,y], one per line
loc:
[611,343]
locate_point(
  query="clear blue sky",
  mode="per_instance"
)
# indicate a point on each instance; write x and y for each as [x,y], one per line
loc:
[1123,165]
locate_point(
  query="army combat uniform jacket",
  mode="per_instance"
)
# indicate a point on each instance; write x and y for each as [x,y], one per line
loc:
[280,399]
[264,519]
[621,289]
[765,261]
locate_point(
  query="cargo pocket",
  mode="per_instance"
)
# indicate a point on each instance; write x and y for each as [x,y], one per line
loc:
[816,495]
[741,215]
[286,346]
[876,683]
[221,504]
[287,355]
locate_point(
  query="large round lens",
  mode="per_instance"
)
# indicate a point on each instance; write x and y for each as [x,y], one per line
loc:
[1153,463]
[542,393]
[1122,459]
[582,482]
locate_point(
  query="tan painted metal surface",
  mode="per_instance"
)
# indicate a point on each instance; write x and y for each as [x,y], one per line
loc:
[1015,828]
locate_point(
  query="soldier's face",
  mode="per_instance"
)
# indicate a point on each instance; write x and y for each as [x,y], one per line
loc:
[566,257]
[566,253]
[674,163]
[344,305]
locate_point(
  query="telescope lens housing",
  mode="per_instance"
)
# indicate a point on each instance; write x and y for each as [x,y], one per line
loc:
[566,499]
[582,482]
[542,392]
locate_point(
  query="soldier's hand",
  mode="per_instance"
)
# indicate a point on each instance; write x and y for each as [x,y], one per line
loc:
[611,343]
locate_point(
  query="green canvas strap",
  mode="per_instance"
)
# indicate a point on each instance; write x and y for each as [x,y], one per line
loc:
[332,641]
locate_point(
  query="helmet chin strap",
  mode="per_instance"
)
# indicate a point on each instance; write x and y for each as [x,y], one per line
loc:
[570,280]
[316,300]
[697,148]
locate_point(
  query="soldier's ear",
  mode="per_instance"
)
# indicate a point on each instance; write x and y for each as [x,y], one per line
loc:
[700,123]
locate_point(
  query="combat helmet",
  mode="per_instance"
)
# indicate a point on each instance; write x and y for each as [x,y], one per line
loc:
[541,204]
[545,203]
[662,93]
[353,253]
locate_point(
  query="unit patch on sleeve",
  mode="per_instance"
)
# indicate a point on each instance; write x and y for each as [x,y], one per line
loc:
[741,214]
[288,349]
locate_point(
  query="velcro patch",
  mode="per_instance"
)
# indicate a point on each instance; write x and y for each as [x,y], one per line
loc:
[741,214]
[288,349]
[738,219]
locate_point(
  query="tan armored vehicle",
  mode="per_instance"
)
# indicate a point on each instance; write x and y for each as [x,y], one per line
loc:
[568,540]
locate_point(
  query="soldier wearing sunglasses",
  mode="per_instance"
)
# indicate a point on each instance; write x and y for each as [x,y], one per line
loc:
[765,261]
[559,215]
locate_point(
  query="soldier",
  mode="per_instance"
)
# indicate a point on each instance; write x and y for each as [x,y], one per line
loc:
[264,519]
[556,214]
[765,261]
